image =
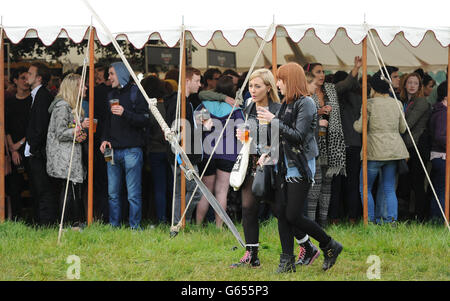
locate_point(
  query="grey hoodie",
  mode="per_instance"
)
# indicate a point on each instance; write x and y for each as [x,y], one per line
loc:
[59,143]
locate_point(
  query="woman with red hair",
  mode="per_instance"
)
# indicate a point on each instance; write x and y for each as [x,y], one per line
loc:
[417,114]
[295,167]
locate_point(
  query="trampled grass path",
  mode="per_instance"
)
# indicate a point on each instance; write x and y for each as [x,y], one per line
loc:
[408,252]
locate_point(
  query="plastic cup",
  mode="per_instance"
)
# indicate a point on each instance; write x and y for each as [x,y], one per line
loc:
[108,154]
[95,121]
[205,114]
[244,127]
[262,122]
[114,102]
[322,130]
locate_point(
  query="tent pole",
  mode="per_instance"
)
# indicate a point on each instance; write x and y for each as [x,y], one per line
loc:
[274,55]
[447,161]
[91,132]
[183,127]
[364,132]
[2,130]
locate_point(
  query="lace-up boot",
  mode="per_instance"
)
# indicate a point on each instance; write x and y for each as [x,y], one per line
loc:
[308,253]
[250,258]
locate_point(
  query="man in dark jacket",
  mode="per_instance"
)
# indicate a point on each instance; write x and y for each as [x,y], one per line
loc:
[36,139]
[124,132]
[193,144]
[101,109]
[345,200]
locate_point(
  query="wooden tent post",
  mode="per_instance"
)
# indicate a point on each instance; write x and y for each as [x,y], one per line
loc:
[91,132]
[447,161]
[274,55]
[183,128]
[2,130]
[364,132]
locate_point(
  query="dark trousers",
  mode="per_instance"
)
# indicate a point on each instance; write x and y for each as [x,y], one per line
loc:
[74,212]
[46,206]
[289,208]
[438,179]
[159,169]
[101,204]
[345,199]
[414,180]
[15,185]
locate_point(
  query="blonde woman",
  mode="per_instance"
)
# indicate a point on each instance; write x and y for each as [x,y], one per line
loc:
[62,128]
[264,94]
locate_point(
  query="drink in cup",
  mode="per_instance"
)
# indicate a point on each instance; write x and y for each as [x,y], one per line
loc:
[245,128]
[202,115]
[205,114]
[262,122]
[95,121]
[108,154]
[322,131]
[114,102]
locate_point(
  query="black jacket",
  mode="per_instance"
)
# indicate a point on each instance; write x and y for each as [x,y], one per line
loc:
[101,107]
[128,130]
[350,106]
[297,123]
[39,120]
[193,145]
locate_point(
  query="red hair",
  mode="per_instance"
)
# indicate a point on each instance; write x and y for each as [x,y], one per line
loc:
[294,79]
[404,93]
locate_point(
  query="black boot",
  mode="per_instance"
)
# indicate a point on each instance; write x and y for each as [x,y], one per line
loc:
[331,252]
[250,258]
[287,263]
[308,253]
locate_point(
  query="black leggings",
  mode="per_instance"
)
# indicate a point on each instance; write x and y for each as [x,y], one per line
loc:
[289,209]
[250,210]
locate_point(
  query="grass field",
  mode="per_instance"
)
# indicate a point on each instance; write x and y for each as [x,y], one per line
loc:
[408,252]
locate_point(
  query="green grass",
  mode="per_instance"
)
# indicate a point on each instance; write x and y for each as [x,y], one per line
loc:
[408,252]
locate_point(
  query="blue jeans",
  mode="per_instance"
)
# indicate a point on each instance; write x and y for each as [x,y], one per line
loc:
[438,180]
[380,202]
[388,170]
[127,161]
[159,166]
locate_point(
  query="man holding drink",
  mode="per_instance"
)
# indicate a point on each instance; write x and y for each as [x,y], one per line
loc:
[123,133]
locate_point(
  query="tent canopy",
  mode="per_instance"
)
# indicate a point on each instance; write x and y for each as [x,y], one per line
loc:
[138,20]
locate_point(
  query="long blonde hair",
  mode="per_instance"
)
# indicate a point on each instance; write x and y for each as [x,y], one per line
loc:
[268,79]
[69,91]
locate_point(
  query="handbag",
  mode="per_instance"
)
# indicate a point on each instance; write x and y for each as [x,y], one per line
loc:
[402,167]
[262,182]
[239,170]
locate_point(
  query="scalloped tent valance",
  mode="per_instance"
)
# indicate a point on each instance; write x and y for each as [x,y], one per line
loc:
[138,20]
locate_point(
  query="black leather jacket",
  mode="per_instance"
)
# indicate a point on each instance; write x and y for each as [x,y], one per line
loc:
[297,122]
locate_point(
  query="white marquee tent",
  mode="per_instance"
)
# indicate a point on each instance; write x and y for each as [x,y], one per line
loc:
[327,31]
[415,31]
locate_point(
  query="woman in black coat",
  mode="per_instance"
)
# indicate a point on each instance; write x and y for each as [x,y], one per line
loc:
[295,168]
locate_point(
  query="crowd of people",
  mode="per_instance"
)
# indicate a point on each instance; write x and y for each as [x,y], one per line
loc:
[317,175]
